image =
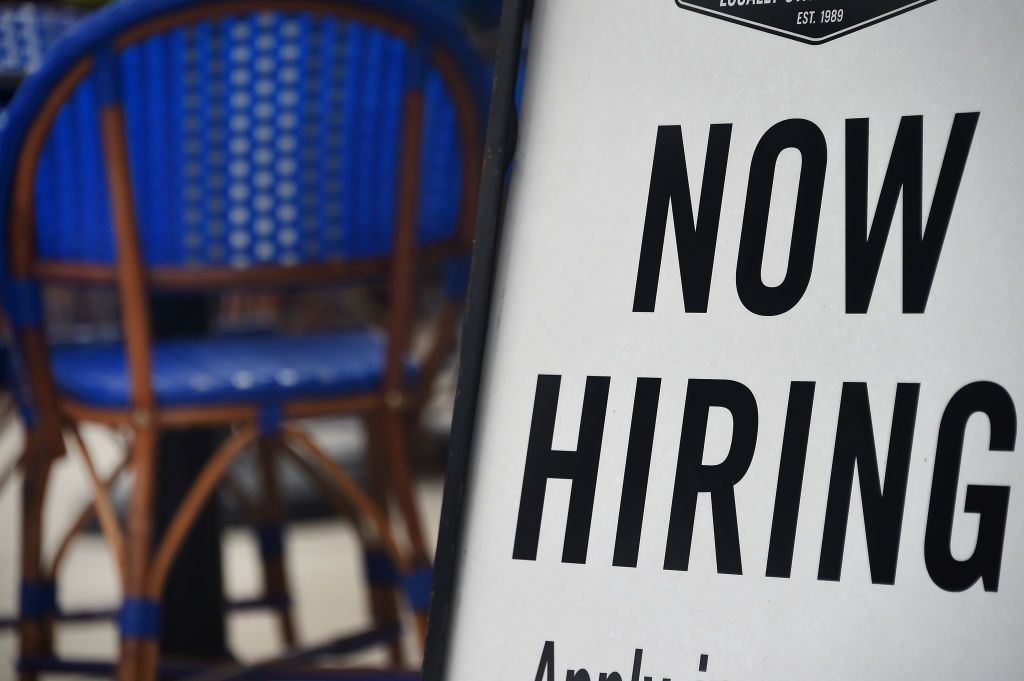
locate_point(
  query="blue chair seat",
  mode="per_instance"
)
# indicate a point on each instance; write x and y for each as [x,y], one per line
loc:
[264,369]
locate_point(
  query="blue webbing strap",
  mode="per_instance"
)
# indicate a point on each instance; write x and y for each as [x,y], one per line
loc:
[24,302]
[174,669]
[269,418]
[181,668]
[108,78]
[139,618]
[8,621]
[58,666]
[380,569]
[418,585]
[28,417]
[416,71]
[38,600]
[271,541]
[456,279]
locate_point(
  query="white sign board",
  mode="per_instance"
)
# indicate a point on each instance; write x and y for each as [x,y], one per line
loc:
[754,361]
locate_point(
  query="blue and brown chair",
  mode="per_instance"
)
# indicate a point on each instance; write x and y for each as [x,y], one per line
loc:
[27,29]
[195,146]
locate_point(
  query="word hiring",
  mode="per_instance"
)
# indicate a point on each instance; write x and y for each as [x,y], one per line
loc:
[696,237]
[882,499]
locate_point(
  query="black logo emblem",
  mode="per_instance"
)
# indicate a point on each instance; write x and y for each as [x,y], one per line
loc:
[809,21]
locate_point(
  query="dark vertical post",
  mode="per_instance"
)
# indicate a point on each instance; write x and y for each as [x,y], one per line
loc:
[192,612]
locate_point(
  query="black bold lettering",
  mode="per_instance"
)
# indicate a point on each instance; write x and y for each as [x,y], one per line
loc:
[693,477]
[695,240]
[921,249]
[883,502]
[791,478]
[989,502]
[546,668]
[543,463]
[638,469]
[638,660]
[806,138]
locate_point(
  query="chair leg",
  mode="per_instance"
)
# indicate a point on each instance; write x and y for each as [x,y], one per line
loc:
[271,537]
[140,615]
[415,582]
[35,624]
[381,574]
[396,451]
[380,579]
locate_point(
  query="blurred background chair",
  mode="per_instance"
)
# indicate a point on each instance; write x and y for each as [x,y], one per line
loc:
[187,146]
[27,30]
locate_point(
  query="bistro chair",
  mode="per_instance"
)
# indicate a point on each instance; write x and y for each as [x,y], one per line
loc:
[27,29]
[188,146]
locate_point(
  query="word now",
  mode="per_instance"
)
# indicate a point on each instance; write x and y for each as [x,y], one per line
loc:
[882,498]
[696,238]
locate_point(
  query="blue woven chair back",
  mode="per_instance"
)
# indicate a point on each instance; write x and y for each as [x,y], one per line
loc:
[254,138]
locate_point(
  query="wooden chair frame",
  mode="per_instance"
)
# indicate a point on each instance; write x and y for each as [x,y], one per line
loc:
[145,569]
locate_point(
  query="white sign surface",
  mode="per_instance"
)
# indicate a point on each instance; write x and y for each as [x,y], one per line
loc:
[739,419]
